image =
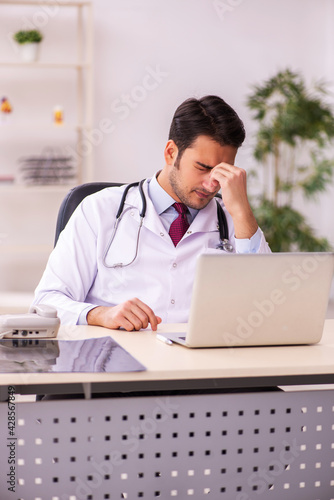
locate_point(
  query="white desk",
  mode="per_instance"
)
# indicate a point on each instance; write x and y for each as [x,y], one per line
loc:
[177,367]
[231,446]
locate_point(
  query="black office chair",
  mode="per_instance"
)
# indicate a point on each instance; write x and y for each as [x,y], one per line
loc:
[73,198]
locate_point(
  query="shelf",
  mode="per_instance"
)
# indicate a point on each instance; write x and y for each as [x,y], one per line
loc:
[21,132]
[78,69]
[58,3]
[34,189]
[48,127]
[44,65]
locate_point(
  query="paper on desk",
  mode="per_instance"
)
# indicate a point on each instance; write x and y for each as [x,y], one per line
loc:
[96,355]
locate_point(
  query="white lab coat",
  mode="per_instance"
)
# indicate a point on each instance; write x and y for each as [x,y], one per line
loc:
[77,279]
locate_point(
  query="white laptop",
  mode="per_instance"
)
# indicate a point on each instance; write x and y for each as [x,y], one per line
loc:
[258,299]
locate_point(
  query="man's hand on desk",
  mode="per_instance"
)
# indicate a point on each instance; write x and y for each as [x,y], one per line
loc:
[130,315]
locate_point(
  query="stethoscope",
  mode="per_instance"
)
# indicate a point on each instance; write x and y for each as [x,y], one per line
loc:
[223,244]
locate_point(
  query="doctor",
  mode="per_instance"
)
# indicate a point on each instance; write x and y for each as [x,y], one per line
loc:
[140,275]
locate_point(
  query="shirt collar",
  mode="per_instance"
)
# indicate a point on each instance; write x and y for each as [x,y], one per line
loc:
[161,199]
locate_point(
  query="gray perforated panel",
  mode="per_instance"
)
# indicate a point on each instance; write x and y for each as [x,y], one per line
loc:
[270,445]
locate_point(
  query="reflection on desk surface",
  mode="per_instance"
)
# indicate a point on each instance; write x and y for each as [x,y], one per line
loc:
[50,355]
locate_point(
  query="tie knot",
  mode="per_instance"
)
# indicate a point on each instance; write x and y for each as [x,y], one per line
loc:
[181,208]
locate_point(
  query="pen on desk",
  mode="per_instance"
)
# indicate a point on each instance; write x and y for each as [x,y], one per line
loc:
[164,339]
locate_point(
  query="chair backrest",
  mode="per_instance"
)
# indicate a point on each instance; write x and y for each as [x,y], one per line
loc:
[73,198]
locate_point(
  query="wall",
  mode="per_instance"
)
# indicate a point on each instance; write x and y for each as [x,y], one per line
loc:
[221,47]
[150,55]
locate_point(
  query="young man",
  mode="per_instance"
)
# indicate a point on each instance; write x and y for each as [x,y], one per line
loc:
[141,274]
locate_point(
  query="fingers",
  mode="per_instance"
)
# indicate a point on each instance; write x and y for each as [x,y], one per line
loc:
[233,183]
[130,315]
[224,172]
[140,315]
[146,315]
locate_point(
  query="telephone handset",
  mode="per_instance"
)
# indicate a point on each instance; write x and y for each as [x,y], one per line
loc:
[40,322]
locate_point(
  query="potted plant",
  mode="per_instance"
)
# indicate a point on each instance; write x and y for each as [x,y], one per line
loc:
[295,130]
[29,44]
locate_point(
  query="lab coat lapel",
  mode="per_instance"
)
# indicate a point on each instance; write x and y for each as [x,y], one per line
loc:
[152,220]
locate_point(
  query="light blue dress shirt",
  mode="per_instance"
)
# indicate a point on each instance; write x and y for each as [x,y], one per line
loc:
[163,204]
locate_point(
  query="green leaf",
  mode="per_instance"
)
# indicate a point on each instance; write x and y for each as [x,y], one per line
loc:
[31,36]
[319,178]
[286,230]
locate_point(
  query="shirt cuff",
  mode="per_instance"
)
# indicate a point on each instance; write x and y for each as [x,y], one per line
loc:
[251,245]
[82,320]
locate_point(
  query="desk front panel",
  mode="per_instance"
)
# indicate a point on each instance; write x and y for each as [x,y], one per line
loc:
[273,445]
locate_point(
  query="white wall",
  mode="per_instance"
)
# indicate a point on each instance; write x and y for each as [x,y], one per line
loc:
[201,46]
[195,47]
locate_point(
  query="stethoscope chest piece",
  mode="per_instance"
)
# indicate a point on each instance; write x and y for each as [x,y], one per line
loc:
[225,245]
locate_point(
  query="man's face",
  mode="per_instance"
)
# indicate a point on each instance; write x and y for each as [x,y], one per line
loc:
[190,181]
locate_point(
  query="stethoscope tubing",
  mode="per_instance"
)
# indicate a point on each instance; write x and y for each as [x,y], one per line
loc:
[125,193]
[118,218]
[222,225]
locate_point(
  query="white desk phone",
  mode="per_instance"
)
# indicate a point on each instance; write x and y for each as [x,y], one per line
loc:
[40,322]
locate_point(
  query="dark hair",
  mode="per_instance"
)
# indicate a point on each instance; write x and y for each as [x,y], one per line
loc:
[210,116]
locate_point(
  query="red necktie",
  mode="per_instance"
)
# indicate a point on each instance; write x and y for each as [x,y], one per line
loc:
[180,225]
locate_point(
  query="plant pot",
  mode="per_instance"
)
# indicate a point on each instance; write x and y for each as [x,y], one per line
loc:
[29,52]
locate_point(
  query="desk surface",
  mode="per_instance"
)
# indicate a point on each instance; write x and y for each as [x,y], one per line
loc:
[177,367]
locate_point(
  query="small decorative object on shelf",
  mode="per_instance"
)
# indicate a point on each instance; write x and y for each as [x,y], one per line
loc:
[58,115]
[7,179]
[29,44]
[5,109]
[49,168]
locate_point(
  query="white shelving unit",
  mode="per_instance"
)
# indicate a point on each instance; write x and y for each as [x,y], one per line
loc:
[28,212]
[82,67]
